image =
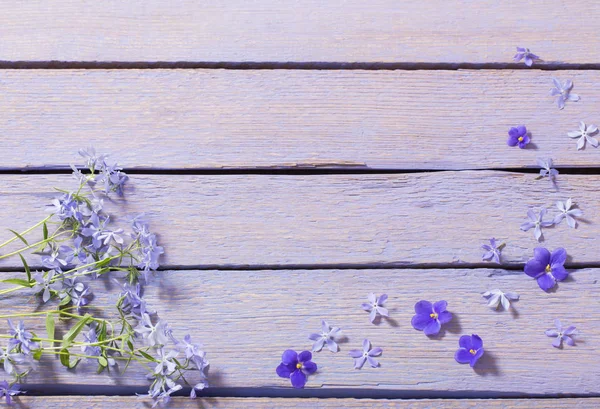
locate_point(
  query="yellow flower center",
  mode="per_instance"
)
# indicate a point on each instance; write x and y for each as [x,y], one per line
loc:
[520,139]
[472,351]
[299,365]
[433,315]
[548,268]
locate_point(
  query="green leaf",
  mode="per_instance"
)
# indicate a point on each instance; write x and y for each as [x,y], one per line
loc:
[19,236]
[65,301]
[130,345]
[64,357]
[27,269]
[45,228]
[50,326]
[37,354]
[75,330]
[17,281]
[102,361]
[148,357]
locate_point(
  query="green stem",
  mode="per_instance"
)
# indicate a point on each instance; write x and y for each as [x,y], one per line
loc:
[26,231]
[33,245]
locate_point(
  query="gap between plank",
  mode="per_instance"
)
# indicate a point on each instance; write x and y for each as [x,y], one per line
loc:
[274,65]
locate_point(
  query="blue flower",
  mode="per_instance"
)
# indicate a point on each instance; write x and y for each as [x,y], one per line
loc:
[91,337]
[8,391]
[296,367]
[430,317]
[22,338]
[471,349]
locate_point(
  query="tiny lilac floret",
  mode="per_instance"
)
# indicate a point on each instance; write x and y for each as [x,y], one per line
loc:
[563,92]
[375,306]
[296,367]
[537,222]
[526,54]
[584,134]
[547,268]
[492,251]
[547,170]
[471,349]
[496,297]
[567,212]
[367,354]
[518,136]
[561,335]
[430,317]
[326,337]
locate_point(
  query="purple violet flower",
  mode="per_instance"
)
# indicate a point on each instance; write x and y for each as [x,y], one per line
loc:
[563,91]
[375,306]
[327,336]
[91,337]
[518,136]
[566,212]
[584,134]
[492,251]
[10,359]
[547,268]
[471,349]
[22,337]
[537,222]
[367,354]
[296,367]
[9,391]
[547,170]
[561,335]
[44,284]
[526,54]
[153,334]
[430,317]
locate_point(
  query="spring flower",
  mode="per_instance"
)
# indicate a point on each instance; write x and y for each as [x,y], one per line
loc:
[547,170]
[296,367]
[153,334]
[91,338]
[10,359]
[547,268]
[327,336]
[430,317]
[375,306]
[471,349]
[566,212]
[518,136]
[561,335]
[166,364]
[537,222]
[563,91]
[22,338]
[367,354]
[526,54]
[497,297]
[9,391]
[492,250]
[44,284]
[585,133]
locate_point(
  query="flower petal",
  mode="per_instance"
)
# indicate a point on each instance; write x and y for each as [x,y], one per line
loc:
[315,337]
[559,273]
[477,342]
[463,356]
[324,326]
[366,307]
[366,345]
[373,362]
[355,353]
[537,233]
[573,97]
[304,356]
[285,371]
[568,340]
[432,328]
[494,301]
[534,268]
[444,317]
[423,307]
[570,330]
[465,342]
[476,357]
[557,341]
[542,255]
[372,298]
[373,315]
[593,141]
[317,346]
[383,298]
[440,306]
[375,351]
[511,295]
[383,311]
[546,281]
[359,362]
[332,345]
[558,257]
[421,321]
[298,379]
[309,367]
[551,333]
[289,357]
[580,143]
[505,302]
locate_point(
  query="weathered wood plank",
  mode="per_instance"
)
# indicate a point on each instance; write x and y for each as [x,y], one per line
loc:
[407,219]
[246,319]
[277,118]
[110,402]
[302,31]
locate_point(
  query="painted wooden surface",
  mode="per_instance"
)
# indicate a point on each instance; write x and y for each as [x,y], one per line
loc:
[405,219]
[246,319]
[197,119]
[114,402]
[300,31]
[117,402]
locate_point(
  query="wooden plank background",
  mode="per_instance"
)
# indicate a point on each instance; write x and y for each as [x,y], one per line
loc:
[300,31]
[246,319]
[214,119]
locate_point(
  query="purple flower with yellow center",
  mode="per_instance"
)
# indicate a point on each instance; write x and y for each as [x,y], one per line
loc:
[367,354]
[296,367]
[492,250]
[518,136]
[430,317]
[375,306]
[527,55]
[547,268]
[536,221]
[471,349]
[561,335]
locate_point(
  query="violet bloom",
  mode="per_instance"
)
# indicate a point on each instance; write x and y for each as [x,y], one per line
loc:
[547,170]
[22,338]
[563,91]
[518,136]
[547,268]
[430,317]
[492,251]
[153,334]
[497,297]
[10,359]
[327,336]
[566,212]
[584,134]
[375,306]
[537,222]
[296,367]
[367,354]
[44,284]
[9,391]
[471,349]
[561,335]
[524,53]
[91,338]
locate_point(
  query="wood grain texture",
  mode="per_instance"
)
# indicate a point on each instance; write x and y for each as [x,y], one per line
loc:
[201,119]
[246,319]
[406,219]
[299,31]
[117,402]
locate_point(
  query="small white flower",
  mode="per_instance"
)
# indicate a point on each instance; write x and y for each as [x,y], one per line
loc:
[567,213]
[497,297]
[584,134]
